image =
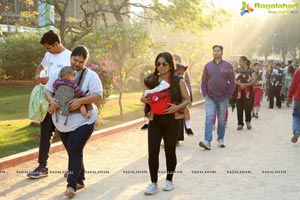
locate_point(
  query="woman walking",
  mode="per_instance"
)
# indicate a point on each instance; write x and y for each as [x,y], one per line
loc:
[165,126]
[258,89]
[78,130]
[245,80]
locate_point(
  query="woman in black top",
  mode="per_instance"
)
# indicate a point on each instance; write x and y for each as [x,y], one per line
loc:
[244,95]
[165,126]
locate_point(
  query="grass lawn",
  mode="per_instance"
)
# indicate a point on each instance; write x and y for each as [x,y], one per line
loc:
[18,134]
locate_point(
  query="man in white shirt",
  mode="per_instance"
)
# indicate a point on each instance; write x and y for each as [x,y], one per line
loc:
[56,57]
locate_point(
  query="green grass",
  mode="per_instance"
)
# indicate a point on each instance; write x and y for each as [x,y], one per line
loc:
[18,134]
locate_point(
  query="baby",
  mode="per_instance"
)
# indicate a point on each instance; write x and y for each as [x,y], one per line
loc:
[158,93]
[243,78]
[66,89]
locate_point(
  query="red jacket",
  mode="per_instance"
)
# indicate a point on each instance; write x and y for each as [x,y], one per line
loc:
[294,89]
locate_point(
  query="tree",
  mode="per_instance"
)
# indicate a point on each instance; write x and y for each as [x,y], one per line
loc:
[195,55]
[122,41]
[194,15]
[127,46]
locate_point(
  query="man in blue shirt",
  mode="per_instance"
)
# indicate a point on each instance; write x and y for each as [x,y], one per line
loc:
[218,83]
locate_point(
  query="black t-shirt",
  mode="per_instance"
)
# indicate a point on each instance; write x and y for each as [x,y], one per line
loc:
[244,75]
[246,71]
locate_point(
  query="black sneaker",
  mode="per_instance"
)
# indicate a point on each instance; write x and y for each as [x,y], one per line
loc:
[66,174]
[145,127]
[240,127]
[256,115]
[39,172]
[248,125]
[189,132]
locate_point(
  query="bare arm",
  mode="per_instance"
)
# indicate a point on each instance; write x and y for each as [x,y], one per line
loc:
[144,99]
[252,82]
[185,99]
[52,101]
[38,71]
[77,102]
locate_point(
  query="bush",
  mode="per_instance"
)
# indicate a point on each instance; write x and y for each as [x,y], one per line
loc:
[105,72]
[21,54]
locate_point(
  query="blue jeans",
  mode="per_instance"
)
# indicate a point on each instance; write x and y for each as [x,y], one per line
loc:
[296,117]
[211,107]
[74,143]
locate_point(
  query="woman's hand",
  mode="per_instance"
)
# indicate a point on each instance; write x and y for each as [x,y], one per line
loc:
[74,104]
[145,100]
[172,109]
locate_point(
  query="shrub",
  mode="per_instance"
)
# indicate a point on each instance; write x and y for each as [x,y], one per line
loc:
[21,54]
[105,73]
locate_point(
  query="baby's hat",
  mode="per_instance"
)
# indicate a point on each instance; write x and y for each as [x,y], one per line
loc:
[43,74]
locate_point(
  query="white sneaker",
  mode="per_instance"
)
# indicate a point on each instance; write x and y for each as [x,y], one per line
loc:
[168,186]
[151,189]
[221,143]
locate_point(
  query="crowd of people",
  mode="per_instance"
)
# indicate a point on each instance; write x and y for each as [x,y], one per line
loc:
[167,98]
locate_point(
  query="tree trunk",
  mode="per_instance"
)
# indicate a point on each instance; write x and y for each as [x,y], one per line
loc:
[121,89]
[266,59]
[120,101]
[283,55]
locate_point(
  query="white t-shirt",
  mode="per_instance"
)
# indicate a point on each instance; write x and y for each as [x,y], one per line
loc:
[53,62]
[93,85]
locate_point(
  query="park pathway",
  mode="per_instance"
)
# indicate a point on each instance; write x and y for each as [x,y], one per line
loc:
[260,163]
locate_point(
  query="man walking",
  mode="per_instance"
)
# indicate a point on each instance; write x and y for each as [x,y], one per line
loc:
[275,77]
[56,57]
[217,86]
[294,91]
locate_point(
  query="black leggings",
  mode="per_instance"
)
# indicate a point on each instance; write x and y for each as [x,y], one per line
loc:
[275,92]
[244,104]
[166,127]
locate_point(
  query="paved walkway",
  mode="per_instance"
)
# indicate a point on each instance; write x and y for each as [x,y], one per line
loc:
[258,164]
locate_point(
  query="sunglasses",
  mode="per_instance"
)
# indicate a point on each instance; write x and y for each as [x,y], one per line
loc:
[164,64]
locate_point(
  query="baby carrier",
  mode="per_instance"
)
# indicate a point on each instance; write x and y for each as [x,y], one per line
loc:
[64,94]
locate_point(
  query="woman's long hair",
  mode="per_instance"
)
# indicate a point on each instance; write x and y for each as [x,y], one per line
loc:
[245,59]
[170,60]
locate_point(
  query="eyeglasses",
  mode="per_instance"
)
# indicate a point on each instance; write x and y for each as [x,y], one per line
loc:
[164,64]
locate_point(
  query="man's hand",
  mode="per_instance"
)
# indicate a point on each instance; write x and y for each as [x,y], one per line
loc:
[289,100]
[37,79]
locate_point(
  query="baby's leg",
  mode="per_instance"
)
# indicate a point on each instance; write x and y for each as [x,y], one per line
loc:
[187,120]
[239,94]
[84,112]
